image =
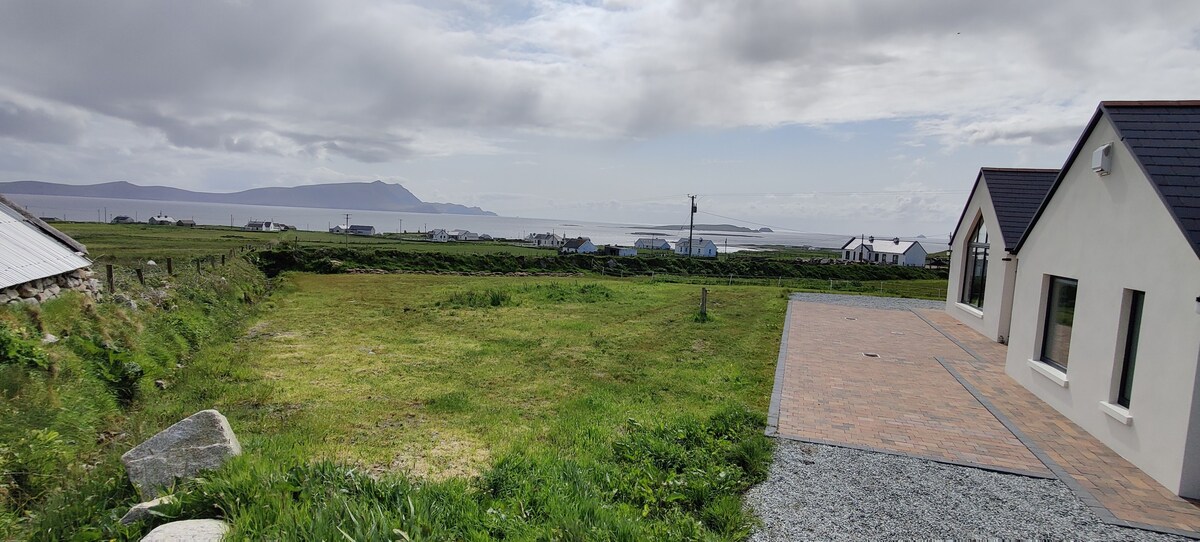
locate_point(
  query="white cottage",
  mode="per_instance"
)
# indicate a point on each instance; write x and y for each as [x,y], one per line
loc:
[439,236]
[1110,338]
[982,270]
[704,248]
[652,244]
[579,245]
[884,251]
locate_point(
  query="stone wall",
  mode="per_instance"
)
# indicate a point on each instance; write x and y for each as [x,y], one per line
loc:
[40,290]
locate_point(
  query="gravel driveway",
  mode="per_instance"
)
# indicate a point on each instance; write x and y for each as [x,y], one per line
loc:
[816,492]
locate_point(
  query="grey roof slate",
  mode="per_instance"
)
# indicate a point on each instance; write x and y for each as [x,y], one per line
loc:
[1165,139]
[1016,195]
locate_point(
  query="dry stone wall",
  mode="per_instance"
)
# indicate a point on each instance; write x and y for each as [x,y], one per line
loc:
[43,289]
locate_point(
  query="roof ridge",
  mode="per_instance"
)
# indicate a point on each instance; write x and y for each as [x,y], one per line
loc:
[1021,169]
[1150,103]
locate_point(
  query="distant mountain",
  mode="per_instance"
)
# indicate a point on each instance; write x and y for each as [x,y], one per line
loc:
[367,196]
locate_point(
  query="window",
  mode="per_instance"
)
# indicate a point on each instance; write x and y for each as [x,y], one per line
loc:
[1132,333]
[895,258]
[975,277]
[1060,316]
[847,254]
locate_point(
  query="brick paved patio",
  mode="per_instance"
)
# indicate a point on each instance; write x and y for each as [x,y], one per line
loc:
[910,401]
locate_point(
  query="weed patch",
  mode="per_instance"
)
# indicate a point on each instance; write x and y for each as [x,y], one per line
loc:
[478,299]
[560,292]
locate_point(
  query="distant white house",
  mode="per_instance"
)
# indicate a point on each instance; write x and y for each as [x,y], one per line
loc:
[257,225]
[704,248]
[161,220]
[578,245]
[614,250]
[652,244]
[464,235]
[439,236]
[885,251]
[549,240]
[338,229]
[122,219]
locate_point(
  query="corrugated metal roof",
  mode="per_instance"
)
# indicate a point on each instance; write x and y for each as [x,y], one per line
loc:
[27,254]
[882,246]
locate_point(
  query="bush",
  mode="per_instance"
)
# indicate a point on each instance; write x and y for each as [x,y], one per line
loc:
[478,299]
[17,351]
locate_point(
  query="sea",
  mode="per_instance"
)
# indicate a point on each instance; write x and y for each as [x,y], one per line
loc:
[81,209]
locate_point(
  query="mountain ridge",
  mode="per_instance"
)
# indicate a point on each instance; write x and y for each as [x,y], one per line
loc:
[367,196]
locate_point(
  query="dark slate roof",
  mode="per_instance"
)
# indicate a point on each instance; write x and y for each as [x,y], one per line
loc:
[1164,138]
[1016,195]
[575,243]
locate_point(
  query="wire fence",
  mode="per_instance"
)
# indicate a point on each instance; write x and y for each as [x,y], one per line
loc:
[128,276]
[919,289]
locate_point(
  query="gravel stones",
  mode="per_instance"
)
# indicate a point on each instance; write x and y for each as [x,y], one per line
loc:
[816,492]
[869,302]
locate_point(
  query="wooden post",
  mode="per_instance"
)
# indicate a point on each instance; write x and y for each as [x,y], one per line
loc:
[223,260]
[170,268]
[108,275]
[704,303]
[141,277]
[198,270]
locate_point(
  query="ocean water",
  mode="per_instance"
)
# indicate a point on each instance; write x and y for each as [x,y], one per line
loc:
[601,233]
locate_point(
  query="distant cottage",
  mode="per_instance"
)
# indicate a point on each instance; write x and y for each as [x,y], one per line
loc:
[549,240]
[38,262]
[464,235]
[439,236]
[704,248]
[357,229]
[613,250]
[187,223]
[885,251]
[578,245]
[122,219]
[161,220]
[255,225]
[652,244]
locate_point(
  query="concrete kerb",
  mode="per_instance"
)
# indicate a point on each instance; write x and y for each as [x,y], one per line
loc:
[1086,497]
[780,368]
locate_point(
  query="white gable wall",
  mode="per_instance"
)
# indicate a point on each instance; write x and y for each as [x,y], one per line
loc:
[1122,210]
[993,320]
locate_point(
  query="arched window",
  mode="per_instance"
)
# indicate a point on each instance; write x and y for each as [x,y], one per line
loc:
[975,277]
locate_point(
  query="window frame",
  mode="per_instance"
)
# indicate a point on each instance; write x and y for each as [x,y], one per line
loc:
[1050,314]
[976,250]
[1134,313]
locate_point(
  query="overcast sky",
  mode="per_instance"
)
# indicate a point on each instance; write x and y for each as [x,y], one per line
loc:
[819,115]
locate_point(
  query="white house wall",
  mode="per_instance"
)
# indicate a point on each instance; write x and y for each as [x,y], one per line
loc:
[1113,233]
[993,320]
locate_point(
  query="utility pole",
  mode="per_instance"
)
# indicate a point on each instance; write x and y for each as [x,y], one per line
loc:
[346,232]
[400,231]
[691,226]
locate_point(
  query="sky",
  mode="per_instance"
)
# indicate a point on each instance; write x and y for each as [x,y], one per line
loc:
[832,116]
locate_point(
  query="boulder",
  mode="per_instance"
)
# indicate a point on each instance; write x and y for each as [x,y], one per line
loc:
[200,442]
[141,510]
[192,530]
[27,290]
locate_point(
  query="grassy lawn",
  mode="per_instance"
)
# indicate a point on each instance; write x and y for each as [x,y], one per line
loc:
[400,372]
[111,243]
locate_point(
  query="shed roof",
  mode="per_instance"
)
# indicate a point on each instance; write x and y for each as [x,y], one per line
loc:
[882,246]
[1164,138]
[29,252]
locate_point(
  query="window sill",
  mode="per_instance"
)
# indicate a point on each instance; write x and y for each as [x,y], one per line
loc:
[1056,376]
[1118,412]
[969,310]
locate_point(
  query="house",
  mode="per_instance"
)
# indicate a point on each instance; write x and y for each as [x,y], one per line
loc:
[704,248]
[339,229]
[613,250]
[464,235]
[885,251]
[161,220]
[439,236]
[652,244]
[545,240]
[998,211]
[1107,280]
[187,223]
[38,262]
[256,225]
[578,245]
[122,219]
[357,229]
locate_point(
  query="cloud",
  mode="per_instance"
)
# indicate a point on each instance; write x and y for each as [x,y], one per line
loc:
[39,124]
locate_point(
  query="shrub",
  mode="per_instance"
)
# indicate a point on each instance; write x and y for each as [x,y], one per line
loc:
[17,351]
[478,299]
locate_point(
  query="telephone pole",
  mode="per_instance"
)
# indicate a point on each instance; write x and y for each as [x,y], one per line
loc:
[346,232]
[691,226]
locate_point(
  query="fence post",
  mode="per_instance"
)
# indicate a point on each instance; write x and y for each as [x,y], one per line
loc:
[731,279]
[108,275]
[141,277]
[223,263]
[703,303]
[198,270]
[170,267]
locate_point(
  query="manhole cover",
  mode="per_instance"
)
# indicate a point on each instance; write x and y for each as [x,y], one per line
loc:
[870,354]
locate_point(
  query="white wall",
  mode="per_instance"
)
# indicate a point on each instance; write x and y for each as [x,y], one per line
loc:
[1114,233]
[915,256]
[993,320]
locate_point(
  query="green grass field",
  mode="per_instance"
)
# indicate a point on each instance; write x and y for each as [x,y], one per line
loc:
[126,243]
